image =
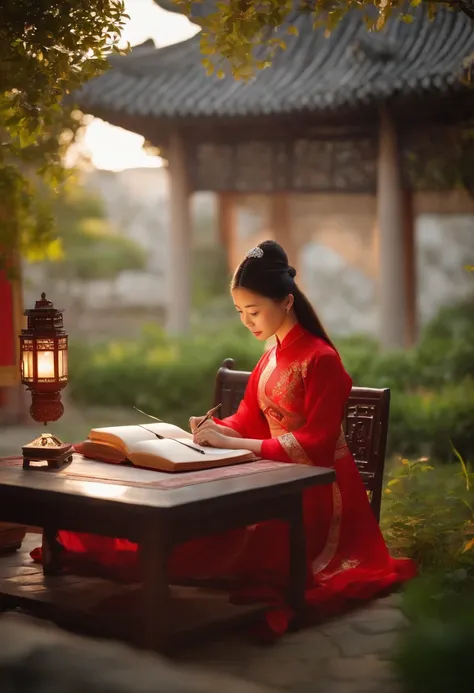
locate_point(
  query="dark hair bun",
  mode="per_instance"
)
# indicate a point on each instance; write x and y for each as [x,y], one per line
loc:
[266,271]
[273,252]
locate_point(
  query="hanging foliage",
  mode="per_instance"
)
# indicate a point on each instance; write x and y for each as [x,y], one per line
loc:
[47,48]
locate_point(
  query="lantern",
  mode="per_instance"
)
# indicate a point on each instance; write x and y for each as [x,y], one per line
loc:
[43,347]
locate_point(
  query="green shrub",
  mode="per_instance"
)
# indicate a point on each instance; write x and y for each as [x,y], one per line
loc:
[425,423]
[434,654]
[445,354]
[453,323]
[357,353]
[428,514]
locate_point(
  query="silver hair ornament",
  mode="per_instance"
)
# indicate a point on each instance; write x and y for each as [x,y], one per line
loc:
[255,252]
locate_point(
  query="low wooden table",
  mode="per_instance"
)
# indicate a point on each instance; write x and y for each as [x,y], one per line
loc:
[159,511]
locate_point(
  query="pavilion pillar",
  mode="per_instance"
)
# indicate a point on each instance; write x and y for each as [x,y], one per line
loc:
[411,328]
[391,229]
[227,225]
[280,224]
[180,266]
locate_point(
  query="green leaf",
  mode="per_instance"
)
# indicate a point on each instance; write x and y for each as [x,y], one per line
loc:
[463,466]
[393,482]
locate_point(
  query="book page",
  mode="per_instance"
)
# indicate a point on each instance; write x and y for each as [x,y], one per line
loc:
[169,430]
[220,452]
[169,454]
[123,437]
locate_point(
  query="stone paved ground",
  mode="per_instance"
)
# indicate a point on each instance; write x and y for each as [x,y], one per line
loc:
[349,654]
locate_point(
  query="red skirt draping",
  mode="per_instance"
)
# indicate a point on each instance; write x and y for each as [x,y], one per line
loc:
[347,558]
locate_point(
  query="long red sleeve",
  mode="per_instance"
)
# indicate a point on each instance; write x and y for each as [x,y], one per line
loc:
[327,387]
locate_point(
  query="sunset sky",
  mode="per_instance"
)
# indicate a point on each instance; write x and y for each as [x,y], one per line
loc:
[110,147]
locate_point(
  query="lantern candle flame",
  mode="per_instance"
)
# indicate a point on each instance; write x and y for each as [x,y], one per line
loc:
[46,364]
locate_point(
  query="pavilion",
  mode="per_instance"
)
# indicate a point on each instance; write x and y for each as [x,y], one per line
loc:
[345,113]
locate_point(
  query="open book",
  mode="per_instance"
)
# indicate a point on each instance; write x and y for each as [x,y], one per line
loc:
[140,445]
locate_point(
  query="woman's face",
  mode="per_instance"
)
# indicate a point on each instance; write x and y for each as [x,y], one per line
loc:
[262,316]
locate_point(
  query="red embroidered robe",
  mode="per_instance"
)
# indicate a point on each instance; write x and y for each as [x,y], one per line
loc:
[294,402]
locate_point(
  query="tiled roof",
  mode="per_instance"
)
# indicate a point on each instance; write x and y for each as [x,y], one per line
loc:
[351,68]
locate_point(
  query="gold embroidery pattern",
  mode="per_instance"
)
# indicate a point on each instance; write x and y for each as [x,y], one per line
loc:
[345,565]
[293,449]
[348,565]
[289,380]
[277,427]
[332,542]
[279,420]
[341,447]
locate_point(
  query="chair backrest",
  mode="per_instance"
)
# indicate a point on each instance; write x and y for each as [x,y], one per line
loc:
[365,424]
[230,388]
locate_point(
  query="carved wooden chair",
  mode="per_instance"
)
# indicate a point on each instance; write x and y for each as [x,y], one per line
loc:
[365,424]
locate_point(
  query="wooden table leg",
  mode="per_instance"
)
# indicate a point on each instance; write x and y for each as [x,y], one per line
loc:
[52,551]
[155,628]
[297,561]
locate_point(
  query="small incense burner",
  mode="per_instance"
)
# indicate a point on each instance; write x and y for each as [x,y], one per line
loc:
[49,450]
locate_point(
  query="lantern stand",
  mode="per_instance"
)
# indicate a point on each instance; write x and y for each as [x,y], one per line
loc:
[43,348]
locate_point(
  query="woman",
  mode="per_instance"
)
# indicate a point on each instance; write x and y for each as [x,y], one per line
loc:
[291,412]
